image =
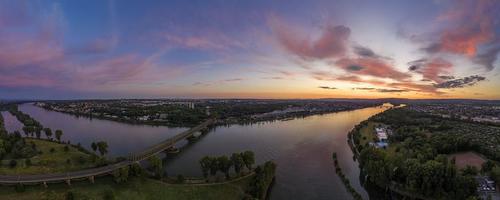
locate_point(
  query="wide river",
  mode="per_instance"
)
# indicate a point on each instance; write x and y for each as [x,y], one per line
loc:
[302,148]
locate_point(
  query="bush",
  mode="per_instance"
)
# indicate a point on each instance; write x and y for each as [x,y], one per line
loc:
[20,188]
[180,178]
[66,148]
[27,161]
[12,163]
[52,150]
[109,195]
[70,195]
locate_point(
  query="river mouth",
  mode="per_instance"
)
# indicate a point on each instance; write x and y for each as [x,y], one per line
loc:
[301,147]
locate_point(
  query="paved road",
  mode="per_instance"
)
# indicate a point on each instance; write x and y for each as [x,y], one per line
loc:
[90,173]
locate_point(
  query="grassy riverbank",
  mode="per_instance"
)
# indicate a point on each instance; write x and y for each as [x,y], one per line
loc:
[134,188]
[52,157]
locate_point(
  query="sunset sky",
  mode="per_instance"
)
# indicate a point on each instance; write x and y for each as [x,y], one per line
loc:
[250,49]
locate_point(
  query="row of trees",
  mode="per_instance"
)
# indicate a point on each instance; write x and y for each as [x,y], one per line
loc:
[100,146]
[31,131]
[211,165]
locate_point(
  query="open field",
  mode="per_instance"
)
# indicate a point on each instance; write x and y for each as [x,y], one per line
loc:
[367,133]
[135,188]
[462,159]
[60,160]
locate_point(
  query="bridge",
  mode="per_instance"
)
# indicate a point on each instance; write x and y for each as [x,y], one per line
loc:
[105,170]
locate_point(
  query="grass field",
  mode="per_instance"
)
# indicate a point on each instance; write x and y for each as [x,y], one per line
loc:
[50,162]
[134,188]
[463,159]
[367,133]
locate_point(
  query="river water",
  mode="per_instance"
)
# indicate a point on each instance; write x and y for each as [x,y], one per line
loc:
[302,148]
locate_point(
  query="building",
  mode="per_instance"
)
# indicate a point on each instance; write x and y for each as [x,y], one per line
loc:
[381,134]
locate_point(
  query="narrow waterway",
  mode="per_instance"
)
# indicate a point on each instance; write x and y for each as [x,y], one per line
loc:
[122,138]
[302,148]
[11,123]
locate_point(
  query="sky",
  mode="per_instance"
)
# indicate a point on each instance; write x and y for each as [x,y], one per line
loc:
[249,49]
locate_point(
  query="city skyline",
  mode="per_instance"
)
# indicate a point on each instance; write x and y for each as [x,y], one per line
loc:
[249,49]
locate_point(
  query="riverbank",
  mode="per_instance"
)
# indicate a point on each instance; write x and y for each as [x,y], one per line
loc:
[134,188]
[344,179]
[415,161]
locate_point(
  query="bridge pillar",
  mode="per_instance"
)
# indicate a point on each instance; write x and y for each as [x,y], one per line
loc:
[68,182]
[91,179]
[44,184]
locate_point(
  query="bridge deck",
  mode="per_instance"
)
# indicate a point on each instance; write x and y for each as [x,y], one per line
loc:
[58,177]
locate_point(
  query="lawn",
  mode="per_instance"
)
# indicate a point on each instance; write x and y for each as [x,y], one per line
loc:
[462,159]
[367,133]
[50,162]
[135,188]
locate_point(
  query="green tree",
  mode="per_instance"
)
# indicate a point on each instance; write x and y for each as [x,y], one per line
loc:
[102,147]
[224,165]
[205,164]
[214,166]
[237,162]
[495,174]
[121,175]
[136,169]
[248,159]
[38,132]
[59,133]
[48,132]
[156,165]
[94,146]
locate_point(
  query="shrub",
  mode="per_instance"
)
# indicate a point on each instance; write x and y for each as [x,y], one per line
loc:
[109,195]
[12,163]
[70,195]
[20,188]
[180,178]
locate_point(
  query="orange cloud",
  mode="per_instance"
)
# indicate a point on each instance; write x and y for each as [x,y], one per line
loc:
[471,25]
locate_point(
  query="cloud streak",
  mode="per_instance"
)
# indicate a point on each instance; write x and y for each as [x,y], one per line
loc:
[461,82]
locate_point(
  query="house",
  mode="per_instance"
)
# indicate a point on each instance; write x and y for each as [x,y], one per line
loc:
[381,134]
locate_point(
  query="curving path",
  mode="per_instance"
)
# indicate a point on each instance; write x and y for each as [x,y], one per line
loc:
[91,173]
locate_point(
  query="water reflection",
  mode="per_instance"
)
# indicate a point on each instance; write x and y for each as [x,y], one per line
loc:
[121,138]
[302,147]
[11,123]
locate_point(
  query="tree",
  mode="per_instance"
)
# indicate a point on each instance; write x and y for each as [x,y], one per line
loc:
[248,159]
[59,133]
[102,147]
[224,165]
[214,166]
[205,163]
[237,161]
[121,175]
[48,132]
[70,195]
[26,131]
[495,173]
[157,165]
[487,166]
[38,132]
[94,146]
[136,169]
[109,195]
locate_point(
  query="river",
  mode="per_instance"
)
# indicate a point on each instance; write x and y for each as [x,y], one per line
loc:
[302,148]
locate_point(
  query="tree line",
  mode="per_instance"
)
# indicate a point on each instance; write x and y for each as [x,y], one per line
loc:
[238,161]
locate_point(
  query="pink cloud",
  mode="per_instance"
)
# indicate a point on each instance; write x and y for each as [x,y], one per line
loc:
[469,25]
[434,69]
[371,67]
[331,43]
